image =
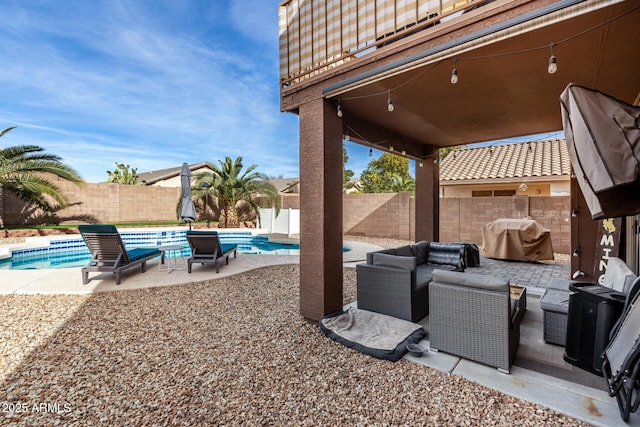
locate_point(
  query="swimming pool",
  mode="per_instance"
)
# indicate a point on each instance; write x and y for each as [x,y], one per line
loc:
[71,252]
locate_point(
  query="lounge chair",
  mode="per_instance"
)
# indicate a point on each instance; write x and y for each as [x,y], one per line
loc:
[621,358]
[108,252]
[207,249]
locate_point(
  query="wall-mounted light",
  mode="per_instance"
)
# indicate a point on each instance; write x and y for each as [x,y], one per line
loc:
[576,252]
[574,212]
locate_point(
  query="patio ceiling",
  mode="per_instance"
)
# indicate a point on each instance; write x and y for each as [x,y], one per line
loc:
[505,91]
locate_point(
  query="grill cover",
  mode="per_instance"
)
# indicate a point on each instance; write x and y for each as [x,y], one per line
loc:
[517,239]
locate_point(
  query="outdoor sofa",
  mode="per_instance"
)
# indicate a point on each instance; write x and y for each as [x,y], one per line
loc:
[396,281]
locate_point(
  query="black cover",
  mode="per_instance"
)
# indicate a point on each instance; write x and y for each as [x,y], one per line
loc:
[603,139]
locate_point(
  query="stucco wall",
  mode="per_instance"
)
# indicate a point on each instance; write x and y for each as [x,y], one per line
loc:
[388,215]
[104,202]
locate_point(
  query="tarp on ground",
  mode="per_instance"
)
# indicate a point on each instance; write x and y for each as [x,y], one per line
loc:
[603,139]
[517,239]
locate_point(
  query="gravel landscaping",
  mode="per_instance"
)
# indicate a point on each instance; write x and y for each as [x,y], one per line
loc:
[228,351]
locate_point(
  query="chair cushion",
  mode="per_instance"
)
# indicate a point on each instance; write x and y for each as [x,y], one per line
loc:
[421,251]
[618,276]
[481,281]
[227,247]
[140,253]
[555,300]
[403,262]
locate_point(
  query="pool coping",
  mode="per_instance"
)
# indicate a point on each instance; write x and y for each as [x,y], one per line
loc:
[69,280]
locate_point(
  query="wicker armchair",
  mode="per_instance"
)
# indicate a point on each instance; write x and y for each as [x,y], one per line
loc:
[472,316]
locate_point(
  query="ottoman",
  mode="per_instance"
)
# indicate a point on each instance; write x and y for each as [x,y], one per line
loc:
[555,308]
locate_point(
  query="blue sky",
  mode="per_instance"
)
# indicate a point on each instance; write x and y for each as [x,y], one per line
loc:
[149,83]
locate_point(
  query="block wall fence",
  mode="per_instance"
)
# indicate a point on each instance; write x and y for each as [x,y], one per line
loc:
[388,215]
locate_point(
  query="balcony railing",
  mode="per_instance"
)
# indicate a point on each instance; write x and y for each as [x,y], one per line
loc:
[318,35]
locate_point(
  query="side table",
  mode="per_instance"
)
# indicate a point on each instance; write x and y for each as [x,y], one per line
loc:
[170,252]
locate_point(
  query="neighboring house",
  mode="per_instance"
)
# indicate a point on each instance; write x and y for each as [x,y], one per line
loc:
[169,177]
[286,185]
[536,168]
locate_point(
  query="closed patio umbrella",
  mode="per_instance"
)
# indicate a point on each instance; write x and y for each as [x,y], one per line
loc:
[603,139]
[187,208]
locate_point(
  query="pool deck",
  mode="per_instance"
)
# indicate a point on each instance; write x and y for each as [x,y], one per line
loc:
[588,404]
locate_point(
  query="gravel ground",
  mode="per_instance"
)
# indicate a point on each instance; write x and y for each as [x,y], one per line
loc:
[230,351]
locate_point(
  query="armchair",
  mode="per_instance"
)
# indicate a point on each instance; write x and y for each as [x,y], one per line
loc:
[472,316]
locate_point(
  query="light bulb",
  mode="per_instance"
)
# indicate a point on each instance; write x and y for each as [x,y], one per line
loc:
[454,76]
[391,148]
[370,152]
[404,152]
[421,164]
[339,110]
[390,105]
[553,67]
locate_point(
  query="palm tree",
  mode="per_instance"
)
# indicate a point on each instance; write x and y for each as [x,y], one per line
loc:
[228,187]
[23,172]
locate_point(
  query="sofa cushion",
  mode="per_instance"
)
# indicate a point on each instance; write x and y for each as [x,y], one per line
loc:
[424,273]
[481,281]
[383,251]
[421,251]
[446,253]
[404,251]
[618,276]
[403,262]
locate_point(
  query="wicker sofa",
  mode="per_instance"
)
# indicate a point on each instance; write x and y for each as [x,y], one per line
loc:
[473,316]
[396,281]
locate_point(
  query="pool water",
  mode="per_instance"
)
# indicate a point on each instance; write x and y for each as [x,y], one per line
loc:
[74,253]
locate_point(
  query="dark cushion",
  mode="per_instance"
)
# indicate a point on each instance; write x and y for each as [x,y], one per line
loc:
[383,251]
[228,247]
[424,273]
[404,251]
[421,251]
[405,263]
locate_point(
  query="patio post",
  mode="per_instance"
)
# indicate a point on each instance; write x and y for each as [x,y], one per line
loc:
[320,209]
[427,215]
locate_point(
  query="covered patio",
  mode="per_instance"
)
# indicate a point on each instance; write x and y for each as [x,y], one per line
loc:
[482,75]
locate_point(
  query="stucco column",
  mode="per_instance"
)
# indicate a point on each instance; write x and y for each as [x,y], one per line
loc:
[320,209]
[427,215]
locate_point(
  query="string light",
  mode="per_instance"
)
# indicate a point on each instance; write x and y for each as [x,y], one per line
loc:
[421,164]
[391,148]
[553,66]
[454,73]
[370,152]
[339,109]
[404,153]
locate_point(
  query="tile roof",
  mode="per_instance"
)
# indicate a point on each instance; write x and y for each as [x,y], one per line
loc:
[161,174]
[545,158]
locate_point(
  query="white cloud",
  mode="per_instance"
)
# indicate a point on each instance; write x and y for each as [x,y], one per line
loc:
[151,85]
